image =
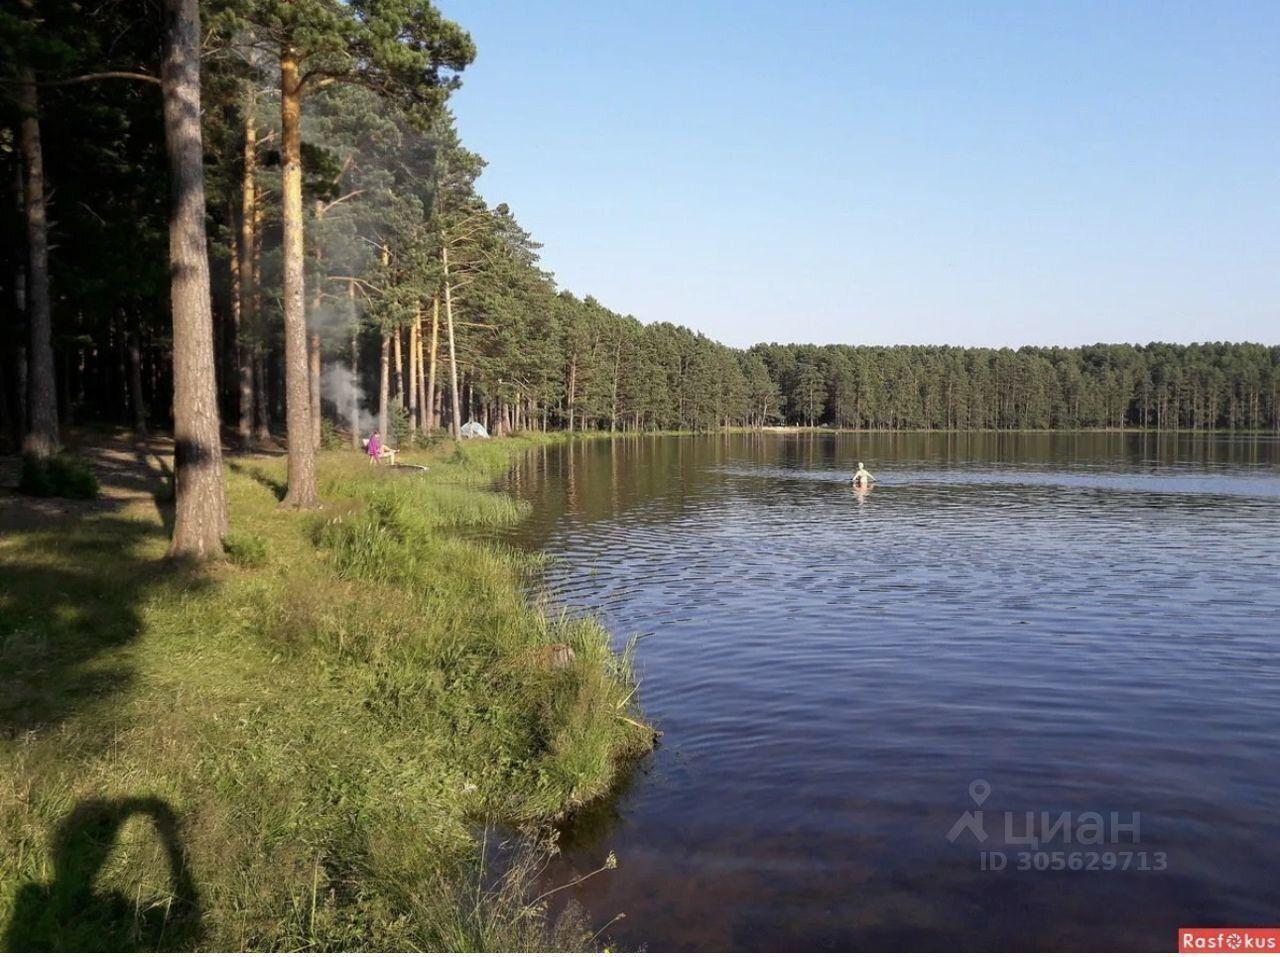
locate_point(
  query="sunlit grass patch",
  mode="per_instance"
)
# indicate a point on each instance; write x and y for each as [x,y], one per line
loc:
[293,749]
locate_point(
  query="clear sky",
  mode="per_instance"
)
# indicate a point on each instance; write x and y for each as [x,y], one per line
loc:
[1001,173]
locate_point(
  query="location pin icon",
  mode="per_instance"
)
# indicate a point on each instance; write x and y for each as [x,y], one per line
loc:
[979,790]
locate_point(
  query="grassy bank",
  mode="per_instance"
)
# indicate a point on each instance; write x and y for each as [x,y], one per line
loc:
[299,748]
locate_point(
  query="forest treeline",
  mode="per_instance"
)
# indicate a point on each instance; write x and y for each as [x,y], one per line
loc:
[297,161]
[1214,385]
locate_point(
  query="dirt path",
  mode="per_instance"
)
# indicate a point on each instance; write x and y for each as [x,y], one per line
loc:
[131,475]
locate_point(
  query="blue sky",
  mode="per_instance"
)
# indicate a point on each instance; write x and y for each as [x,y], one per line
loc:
[900,172]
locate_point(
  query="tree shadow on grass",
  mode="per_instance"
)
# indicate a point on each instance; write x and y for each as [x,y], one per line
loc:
[69,597]
[277,488]
[160,482]
[71,914]
[72,578]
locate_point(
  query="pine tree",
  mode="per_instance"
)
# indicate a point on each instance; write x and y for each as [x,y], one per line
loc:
[404,50]
[200,518]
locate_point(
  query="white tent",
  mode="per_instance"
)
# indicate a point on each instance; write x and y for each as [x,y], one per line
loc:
[474,430]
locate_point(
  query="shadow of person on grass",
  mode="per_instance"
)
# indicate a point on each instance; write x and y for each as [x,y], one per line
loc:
[71,913]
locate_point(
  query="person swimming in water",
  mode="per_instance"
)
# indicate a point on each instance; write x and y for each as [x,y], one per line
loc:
[862,478]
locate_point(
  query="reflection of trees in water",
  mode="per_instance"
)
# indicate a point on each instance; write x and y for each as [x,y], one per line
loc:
[601,478]
[1030,571]
[70,913]
[652,470]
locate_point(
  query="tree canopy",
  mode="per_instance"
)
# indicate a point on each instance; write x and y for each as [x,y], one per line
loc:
[404,264]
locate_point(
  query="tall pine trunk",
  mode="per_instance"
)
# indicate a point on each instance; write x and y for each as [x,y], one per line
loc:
[453,353]
[41,439]
[302,453]
[261,352]
[384,362]
[200,520]
[135,387]
[413,370]
[422,374]
[397,365]
[617,371]
[313,379]
[431,366]
[354,398]
[235,299]
[248,296]
[261,396]
[571,391]
[17,380]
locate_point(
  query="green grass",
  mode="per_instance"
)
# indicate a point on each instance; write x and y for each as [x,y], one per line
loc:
[59,475]
[300,748]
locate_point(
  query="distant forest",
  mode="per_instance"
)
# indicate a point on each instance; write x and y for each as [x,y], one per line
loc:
[1214,385]
[346,236]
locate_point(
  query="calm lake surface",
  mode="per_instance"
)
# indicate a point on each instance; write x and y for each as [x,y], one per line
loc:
[1049,625]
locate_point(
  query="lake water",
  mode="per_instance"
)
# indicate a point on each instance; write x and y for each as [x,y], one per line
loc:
[1059,626]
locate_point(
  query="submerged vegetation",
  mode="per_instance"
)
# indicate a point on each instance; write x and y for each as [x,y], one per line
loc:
[300,748]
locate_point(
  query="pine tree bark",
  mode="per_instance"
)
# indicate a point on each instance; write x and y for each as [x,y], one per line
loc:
[384,362]
[413,371]
[354,410]
[431,367]
[277,373]
[135,388]
[7,423]
[355,373]
[64,385]
[453,353]
[617,373]
[422,374]
[41,439]
[18,384]
[571,392]
[302,454]
[261,353]
[398,367]
[248,273]
[313,379]
[237,308]
[261,396]
[200,520]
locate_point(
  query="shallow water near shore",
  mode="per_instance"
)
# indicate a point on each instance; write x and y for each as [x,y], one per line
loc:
[1054,625]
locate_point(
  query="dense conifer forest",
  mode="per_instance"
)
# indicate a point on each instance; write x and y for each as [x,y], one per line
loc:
[238,237]
[358,277]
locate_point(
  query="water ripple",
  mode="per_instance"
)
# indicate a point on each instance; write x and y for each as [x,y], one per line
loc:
[1086,622]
